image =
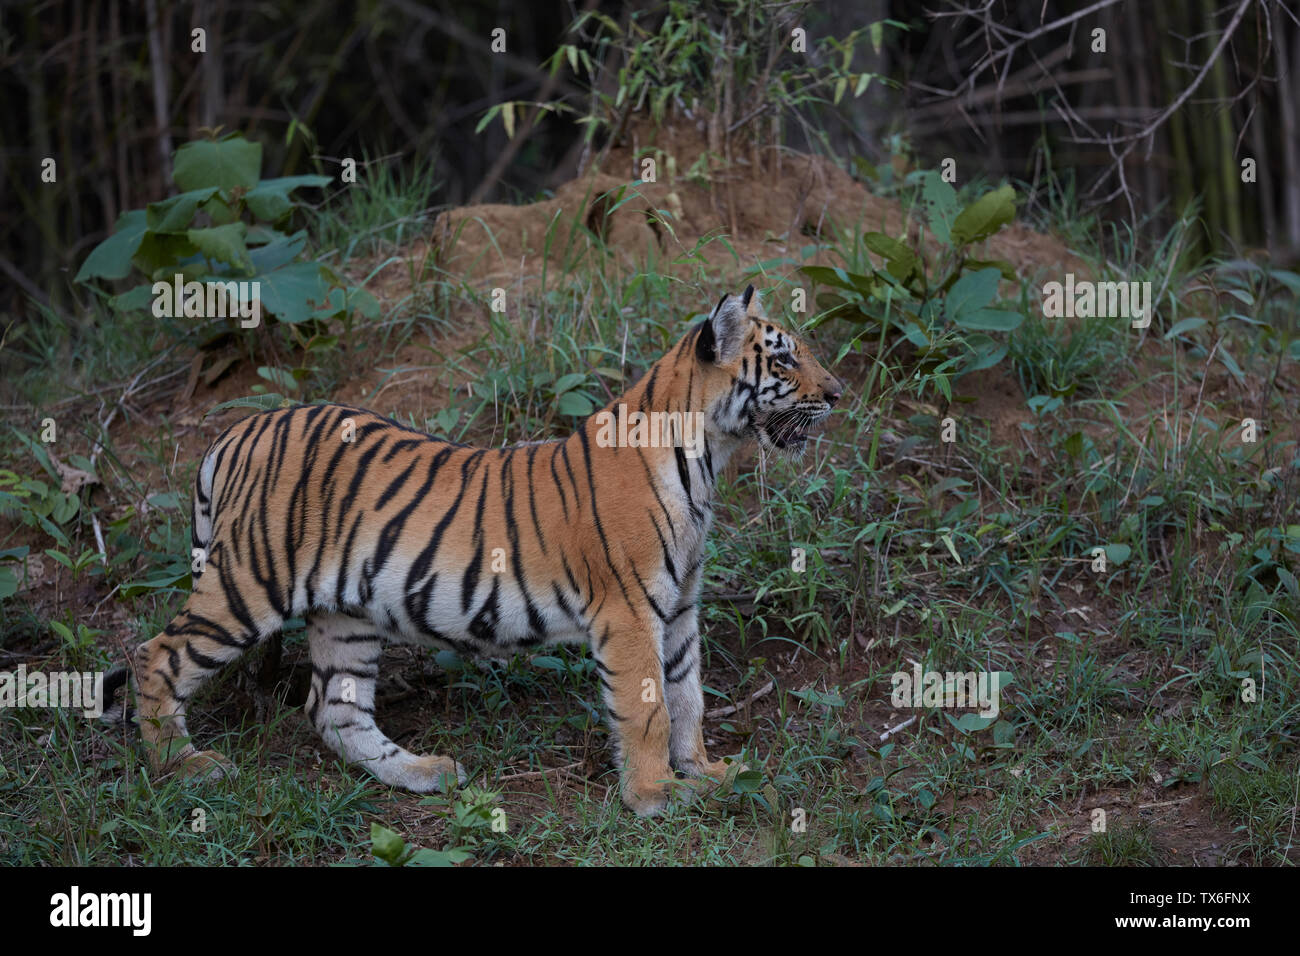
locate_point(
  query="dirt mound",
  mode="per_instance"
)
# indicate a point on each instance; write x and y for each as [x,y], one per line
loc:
[764,204]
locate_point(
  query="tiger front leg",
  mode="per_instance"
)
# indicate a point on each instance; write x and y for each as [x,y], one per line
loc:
[685,697]
[632,678]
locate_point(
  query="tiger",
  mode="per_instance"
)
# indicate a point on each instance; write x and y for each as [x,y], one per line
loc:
[372,531]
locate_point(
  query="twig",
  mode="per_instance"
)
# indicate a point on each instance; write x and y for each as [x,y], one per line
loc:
[732,708]
[1182,98]
[541,773]
[893,730]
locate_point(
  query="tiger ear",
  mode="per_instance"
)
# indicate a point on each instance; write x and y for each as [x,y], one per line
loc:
[751,304]
[724,333]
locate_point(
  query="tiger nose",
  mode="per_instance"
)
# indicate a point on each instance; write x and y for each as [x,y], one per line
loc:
[833,391]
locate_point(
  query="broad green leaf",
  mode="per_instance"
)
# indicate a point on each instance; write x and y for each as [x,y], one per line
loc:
[916,335]
[827,275]
[427,857]
[269,200]
[219,211]
[160,253]
[176,214]
[111,259]
[985,352]
[8,583]
[386,845]
[138,299]
[900,260]
[972,292]
[364,302]
[571,380]
[223,244]
[334,305]
[165,499]
[226,163]
[984,216]
[990,320]
[1117,553]
[277,252]
[65,506]
[294,291]
[260,235]
[575,403]
[970,723]
[940,201]
[842,279]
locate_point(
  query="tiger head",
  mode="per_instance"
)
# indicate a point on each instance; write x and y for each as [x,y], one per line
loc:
[761,381]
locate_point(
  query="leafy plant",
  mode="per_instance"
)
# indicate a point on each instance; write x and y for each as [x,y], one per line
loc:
[78,641]
[947,313]
[226,224]
[470,814]
[8,575]
[669,58]
[37,504]
[390,849]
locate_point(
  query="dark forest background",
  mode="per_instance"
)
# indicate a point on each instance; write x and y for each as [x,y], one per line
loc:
[109,88]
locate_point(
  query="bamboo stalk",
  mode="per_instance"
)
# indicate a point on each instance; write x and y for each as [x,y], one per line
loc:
[158,71]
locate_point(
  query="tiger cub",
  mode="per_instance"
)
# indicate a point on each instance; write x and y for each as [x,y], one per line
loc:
[373,531]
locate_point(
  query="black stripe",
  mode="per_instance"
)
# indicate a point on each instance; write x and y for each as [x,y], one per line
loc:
[202,660]
[555,477]
[470,581]
[600,527]
[536,625]
[395,485]
[532,498]
[564,452]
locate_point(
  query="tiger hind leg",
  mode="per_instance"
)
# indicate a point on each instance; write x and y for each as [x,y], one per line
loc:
[204,637]
[345,654]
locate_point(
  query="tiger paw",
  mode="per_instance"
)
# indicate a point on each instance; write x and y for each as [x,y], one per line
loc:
[205,765]
[647,796]
[433,774]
